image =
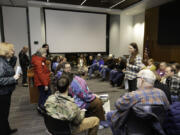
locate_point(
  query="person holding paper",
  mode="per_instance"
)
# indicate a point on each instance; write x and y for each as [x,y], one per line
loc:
[8,81]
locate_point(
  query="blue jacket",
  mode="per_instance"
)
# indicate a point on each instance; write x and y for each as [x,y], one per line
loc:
[172,122]
[100,63]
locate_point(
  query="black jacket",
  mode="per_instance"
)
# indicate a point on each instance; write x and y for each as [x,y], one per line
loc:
[120,66]
[7,82]
[23,59]
[149,118]
[110,63]
[12,61]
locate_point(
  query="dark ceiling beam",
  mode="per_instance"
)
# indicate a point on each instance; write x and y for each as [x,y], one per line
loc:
[120,2]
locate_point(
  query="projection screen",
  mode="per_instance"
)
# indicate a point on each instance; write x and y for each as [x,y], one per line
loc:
[68,31]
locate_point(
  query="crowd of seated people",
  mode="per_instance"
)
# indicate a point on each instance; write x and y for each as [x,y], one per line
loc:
[149,86]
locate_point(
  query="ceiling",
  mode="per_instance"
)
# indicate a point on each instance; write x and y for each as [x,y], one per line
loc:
[131,7]
[112,4]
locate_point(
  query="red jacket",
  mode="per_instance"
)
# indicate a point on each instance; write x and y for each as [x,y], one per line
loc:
[41,72]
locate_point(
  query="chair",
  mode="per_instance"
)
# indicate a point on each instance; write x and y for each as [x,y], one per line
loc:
[141,120]
[56,126]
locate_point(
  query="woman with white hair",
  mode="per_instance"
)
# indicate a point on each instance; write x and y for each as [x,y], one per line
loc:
[41,77]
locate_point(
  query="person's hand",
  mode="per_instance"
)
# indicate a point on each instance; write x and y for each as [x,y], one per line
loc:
[123,70]
[127,64]
[16,77]
[83,110]
[46,88]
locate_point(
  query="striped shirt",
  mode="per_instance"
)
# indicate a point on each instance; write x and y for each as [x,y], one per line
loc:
[133,69]
[148,96]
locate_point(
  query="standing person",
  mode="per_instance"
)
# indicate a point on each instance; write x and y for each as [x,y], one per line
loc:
[7,86]
[24,63]
[41,77]
[134,65]
[46,46]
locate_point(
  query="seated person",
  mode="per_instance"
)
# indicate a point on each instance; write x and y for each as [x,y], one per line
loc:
[61,106]
[151,65]
[145,95]
[55,62]
[172,120]
[82,96]
[108,66]
[89,60]
[117,75]
[173,82]
[97,65]
[176,66]
[161,71]
[82,65]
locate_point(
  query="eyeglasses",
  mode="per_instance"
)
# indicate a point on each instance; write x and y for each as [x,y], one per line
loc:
[138,77]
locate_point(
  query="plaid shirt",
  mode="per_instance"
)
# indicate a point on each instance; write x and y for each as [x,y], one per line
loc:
[152,96]
[132,70]
[174,84]
[80,92]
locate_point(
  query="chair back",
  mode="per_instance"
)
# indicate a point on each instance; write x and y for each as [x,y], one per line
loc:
[140,120]
[56,126]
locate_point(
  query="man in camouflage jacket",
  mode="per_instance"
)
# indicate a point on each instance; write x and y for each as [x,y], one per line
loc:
[61,106]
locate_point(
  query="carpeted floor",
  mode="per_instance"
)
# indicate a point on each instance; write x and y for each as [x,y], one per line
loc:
[24,116]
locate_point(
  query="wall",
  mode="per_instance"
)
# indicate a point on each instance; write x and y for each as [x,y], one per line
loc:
[124,29]
[15,27]
[138,31]
[126,33]
[168,53]
[36,27]
[131,30]
[114,35]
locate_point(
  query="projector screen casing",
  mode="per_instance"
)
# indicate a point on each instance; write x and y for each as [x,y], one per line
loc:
[75,32]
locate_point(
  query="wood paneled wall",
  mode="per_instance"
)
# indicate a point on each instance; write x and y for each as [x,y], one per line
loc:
[168,53]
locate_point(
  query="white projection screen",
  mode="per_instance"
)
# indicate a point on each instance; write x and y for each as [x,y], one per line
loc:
[72,32]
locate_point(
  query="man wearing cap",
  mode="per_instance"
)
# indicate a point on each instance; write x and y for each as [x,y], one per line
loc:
[97,65]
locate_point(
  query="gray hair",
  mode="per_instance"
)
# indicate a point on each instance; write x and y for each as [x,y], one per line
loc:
[41,51]
[148,76]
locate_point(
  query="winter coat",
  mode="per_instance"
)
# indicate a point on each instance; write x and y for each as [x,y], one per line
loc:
[7,81]
[41,71]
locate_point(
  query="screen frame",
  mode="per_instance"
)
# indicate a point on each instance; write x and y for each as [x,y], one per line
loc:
[107,29]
